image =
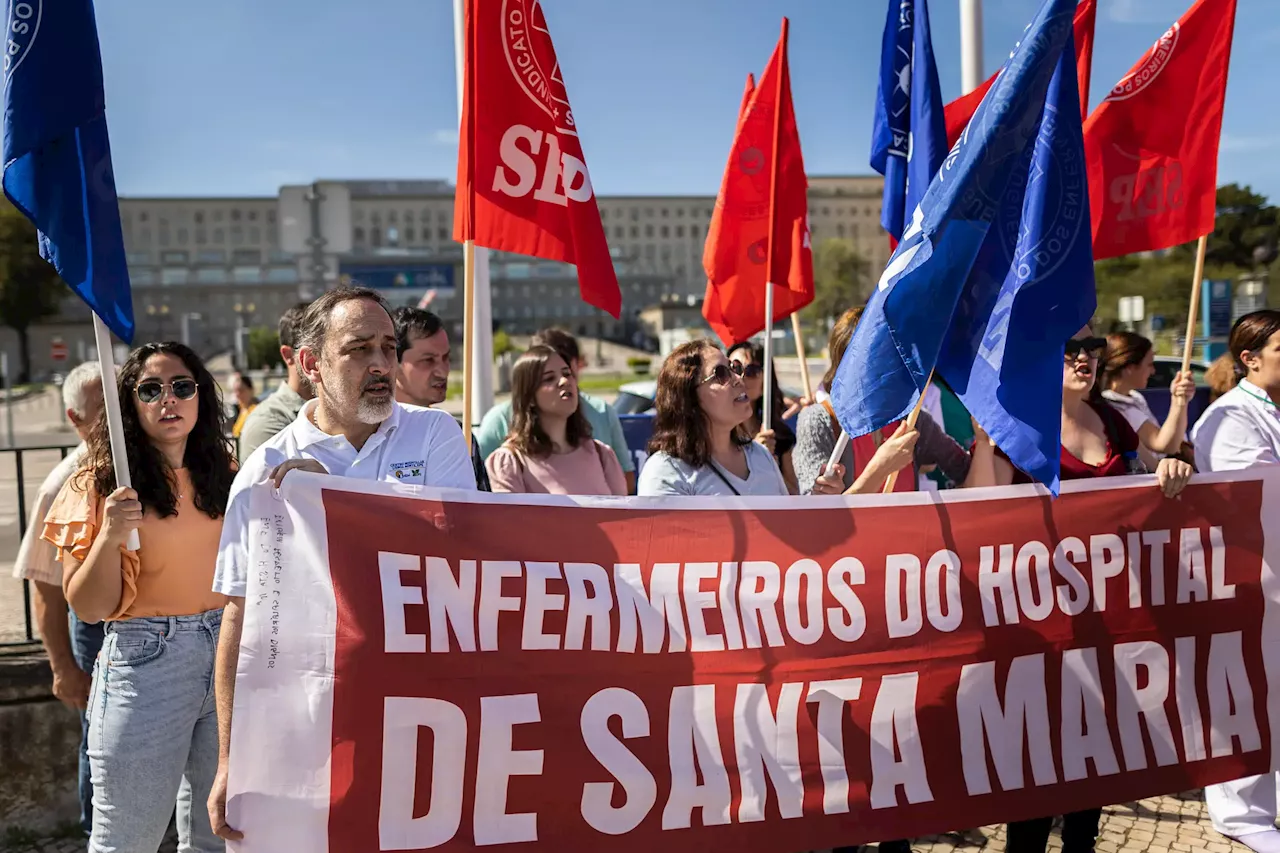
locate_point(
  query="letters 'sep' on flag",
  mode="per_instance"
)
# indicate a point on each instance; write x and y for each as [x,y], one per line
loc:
[959,111]
[756,207]
[995,271]
[57,157]
[908,137]
[523,184]
[1152,145]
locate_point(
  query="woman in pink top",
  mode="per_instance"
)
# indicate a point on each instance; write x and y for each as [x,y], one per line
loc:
[550,449]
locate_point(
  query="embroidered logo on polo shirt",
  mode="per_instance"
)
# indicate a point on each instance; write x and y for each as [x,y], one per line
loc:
[401,470]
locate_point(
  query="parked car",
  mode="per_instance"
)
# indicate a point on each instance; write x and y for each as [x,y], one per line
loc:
[1168,365]
[636,398]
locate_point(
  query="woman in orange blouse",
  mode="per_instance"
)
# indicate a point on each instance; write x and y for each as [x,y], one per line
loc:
[153,739]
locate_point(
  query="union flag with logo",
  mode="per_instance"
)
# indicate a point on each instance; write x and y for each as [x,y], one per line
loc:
[1151,148]
[759,233]
[523,184]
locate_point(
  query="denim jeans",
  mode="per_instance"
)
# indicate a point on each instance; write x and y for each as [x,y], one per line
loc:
[153,734]
[86,642]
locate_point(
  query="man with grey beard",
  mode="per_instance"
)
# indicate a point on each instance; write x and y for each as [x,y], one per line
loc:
[353,428]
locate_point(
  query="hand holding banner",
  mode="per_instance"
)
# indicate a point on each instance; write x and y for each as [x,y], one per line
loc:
[769,674]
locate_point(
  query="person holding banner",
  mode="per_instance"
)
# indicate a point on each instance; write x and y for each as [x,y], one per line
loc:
[698,445]
[353,428]
[550,449]
[1129,363]
[1096,442]
[153,738]
[1240,430]
[870,460]
[747,360]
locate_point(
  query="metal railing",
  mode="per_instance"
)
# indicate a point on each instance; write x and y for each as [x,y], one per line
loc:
[19,465]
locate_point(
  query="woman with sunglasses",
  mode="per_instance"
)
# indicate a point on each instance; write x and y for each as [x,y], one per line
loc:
[153,739]
[698,445]
[1130,361]
[550,449]
[1241,431]
[747,360]
[1096,442]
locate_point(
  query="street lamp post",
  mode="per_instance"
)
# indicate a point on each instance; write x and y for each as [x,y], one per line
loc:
[158,313]
[242,312]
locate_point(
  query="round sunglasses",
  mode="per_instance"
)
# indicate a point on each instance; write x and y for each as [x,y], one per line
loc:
[152,390]
[722,374]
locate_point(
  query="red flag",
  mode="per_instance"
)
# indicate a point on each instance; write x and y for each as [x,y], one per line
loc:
[764,184]
[959,111]
[523,185]
[1151,148]
[747,92]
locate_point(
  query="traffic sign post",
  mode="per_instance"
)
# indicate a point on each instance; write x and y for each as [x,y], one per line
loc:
[58,350]
[1132,310]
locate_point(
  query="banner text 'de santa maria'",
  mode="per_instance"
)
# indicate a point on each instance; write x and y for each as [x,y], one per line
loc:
[543,675]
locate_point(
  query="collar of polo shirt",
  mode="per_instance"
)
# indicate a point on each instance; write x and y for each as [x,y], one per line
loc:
[311,434]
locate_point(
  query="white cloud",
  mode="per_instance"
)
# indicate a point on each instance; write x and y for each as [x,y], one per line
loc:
[447,136]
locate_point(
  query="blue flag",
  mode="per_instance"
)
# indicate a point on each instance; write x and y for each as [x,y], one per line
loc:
[995,270]
[57,158]
[909,133]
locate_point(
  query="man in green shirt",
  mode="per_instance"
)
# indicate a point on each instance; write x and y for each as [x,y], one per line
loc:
[280,409]
[605,424]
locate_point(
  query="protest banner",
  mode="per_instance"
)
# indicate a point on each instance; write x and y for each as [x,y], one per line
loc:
[423,670]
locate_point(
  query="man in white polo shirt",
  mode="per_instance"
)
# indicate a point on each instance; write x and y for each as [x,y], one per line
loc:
[353,428]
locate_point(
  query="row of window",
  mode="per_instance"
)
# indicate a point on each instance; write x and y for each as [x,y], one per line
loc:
[165,236]
[664,213]
[238,257]
[198,217]
[392,236]
[408,217]
[171,276]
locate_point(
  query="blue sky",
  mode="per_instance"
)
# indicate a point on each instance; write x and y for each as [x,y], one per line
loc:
[237,97]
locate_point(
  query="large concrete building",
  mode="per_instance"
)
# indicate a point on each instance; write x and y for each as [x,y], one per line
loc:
[210,268]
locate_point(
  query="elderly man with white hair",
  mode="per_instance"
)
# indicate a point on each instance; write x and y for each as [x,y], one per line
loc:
[71,644]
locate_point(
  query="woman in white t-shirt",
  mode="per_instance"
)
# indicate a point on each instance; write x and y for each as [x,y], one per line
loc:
[1241,430]
[698,446]
[1129,364]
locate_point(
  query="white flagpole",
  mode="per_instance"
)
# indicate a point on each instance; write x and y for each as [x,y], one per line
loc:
[480,344]
[115,426]
[970,45]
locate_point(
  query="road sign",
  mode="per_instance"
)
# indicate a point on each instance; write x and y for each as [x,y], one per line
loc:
[1132,309]
[57,350]
[1215,316]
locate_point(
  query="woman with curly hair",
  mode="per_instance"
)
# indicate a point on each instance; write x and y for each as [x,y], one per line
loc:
[153,740]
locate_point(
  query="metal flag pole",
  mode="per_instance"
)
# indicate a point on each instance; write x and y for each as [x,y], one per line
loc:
[115,426]
[971,76]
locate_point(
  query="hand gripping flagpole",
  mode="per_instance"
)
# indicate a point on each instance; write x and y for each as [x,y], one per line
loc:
[1194,304]
[766,421]
[115,426]
[891,481]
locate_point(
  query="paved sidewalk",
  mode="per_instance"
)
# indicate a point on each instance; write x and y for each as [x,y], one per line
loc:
[1174,824]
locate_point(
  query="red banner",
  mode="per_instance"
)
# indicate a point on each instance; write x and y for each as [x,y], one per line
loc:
[523,184]
[773,675]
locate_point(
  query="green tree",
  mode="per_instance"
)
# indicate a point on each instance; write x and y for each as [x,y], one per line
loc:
[264,348]
[1244,221]
[841,280]
[30,288]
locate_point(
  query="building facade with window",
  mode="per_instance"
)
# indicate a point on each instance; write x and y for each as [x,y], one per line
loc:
[211,268]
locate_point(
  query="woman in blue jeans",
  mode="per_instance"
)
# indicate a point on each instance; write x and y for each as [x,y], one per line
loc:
[153,741]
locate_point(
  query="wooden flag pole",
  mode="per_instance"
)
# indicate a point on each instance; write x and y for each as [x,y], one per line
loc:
[891,483]
[1194,304]
[111,402]
[805,381]
[468,335]
[766,419]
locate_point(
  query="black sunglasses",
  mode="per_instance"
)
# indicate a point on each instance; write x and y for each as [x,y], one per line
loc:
[746,371]
[152,390]
[721,374]
[1091,346]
